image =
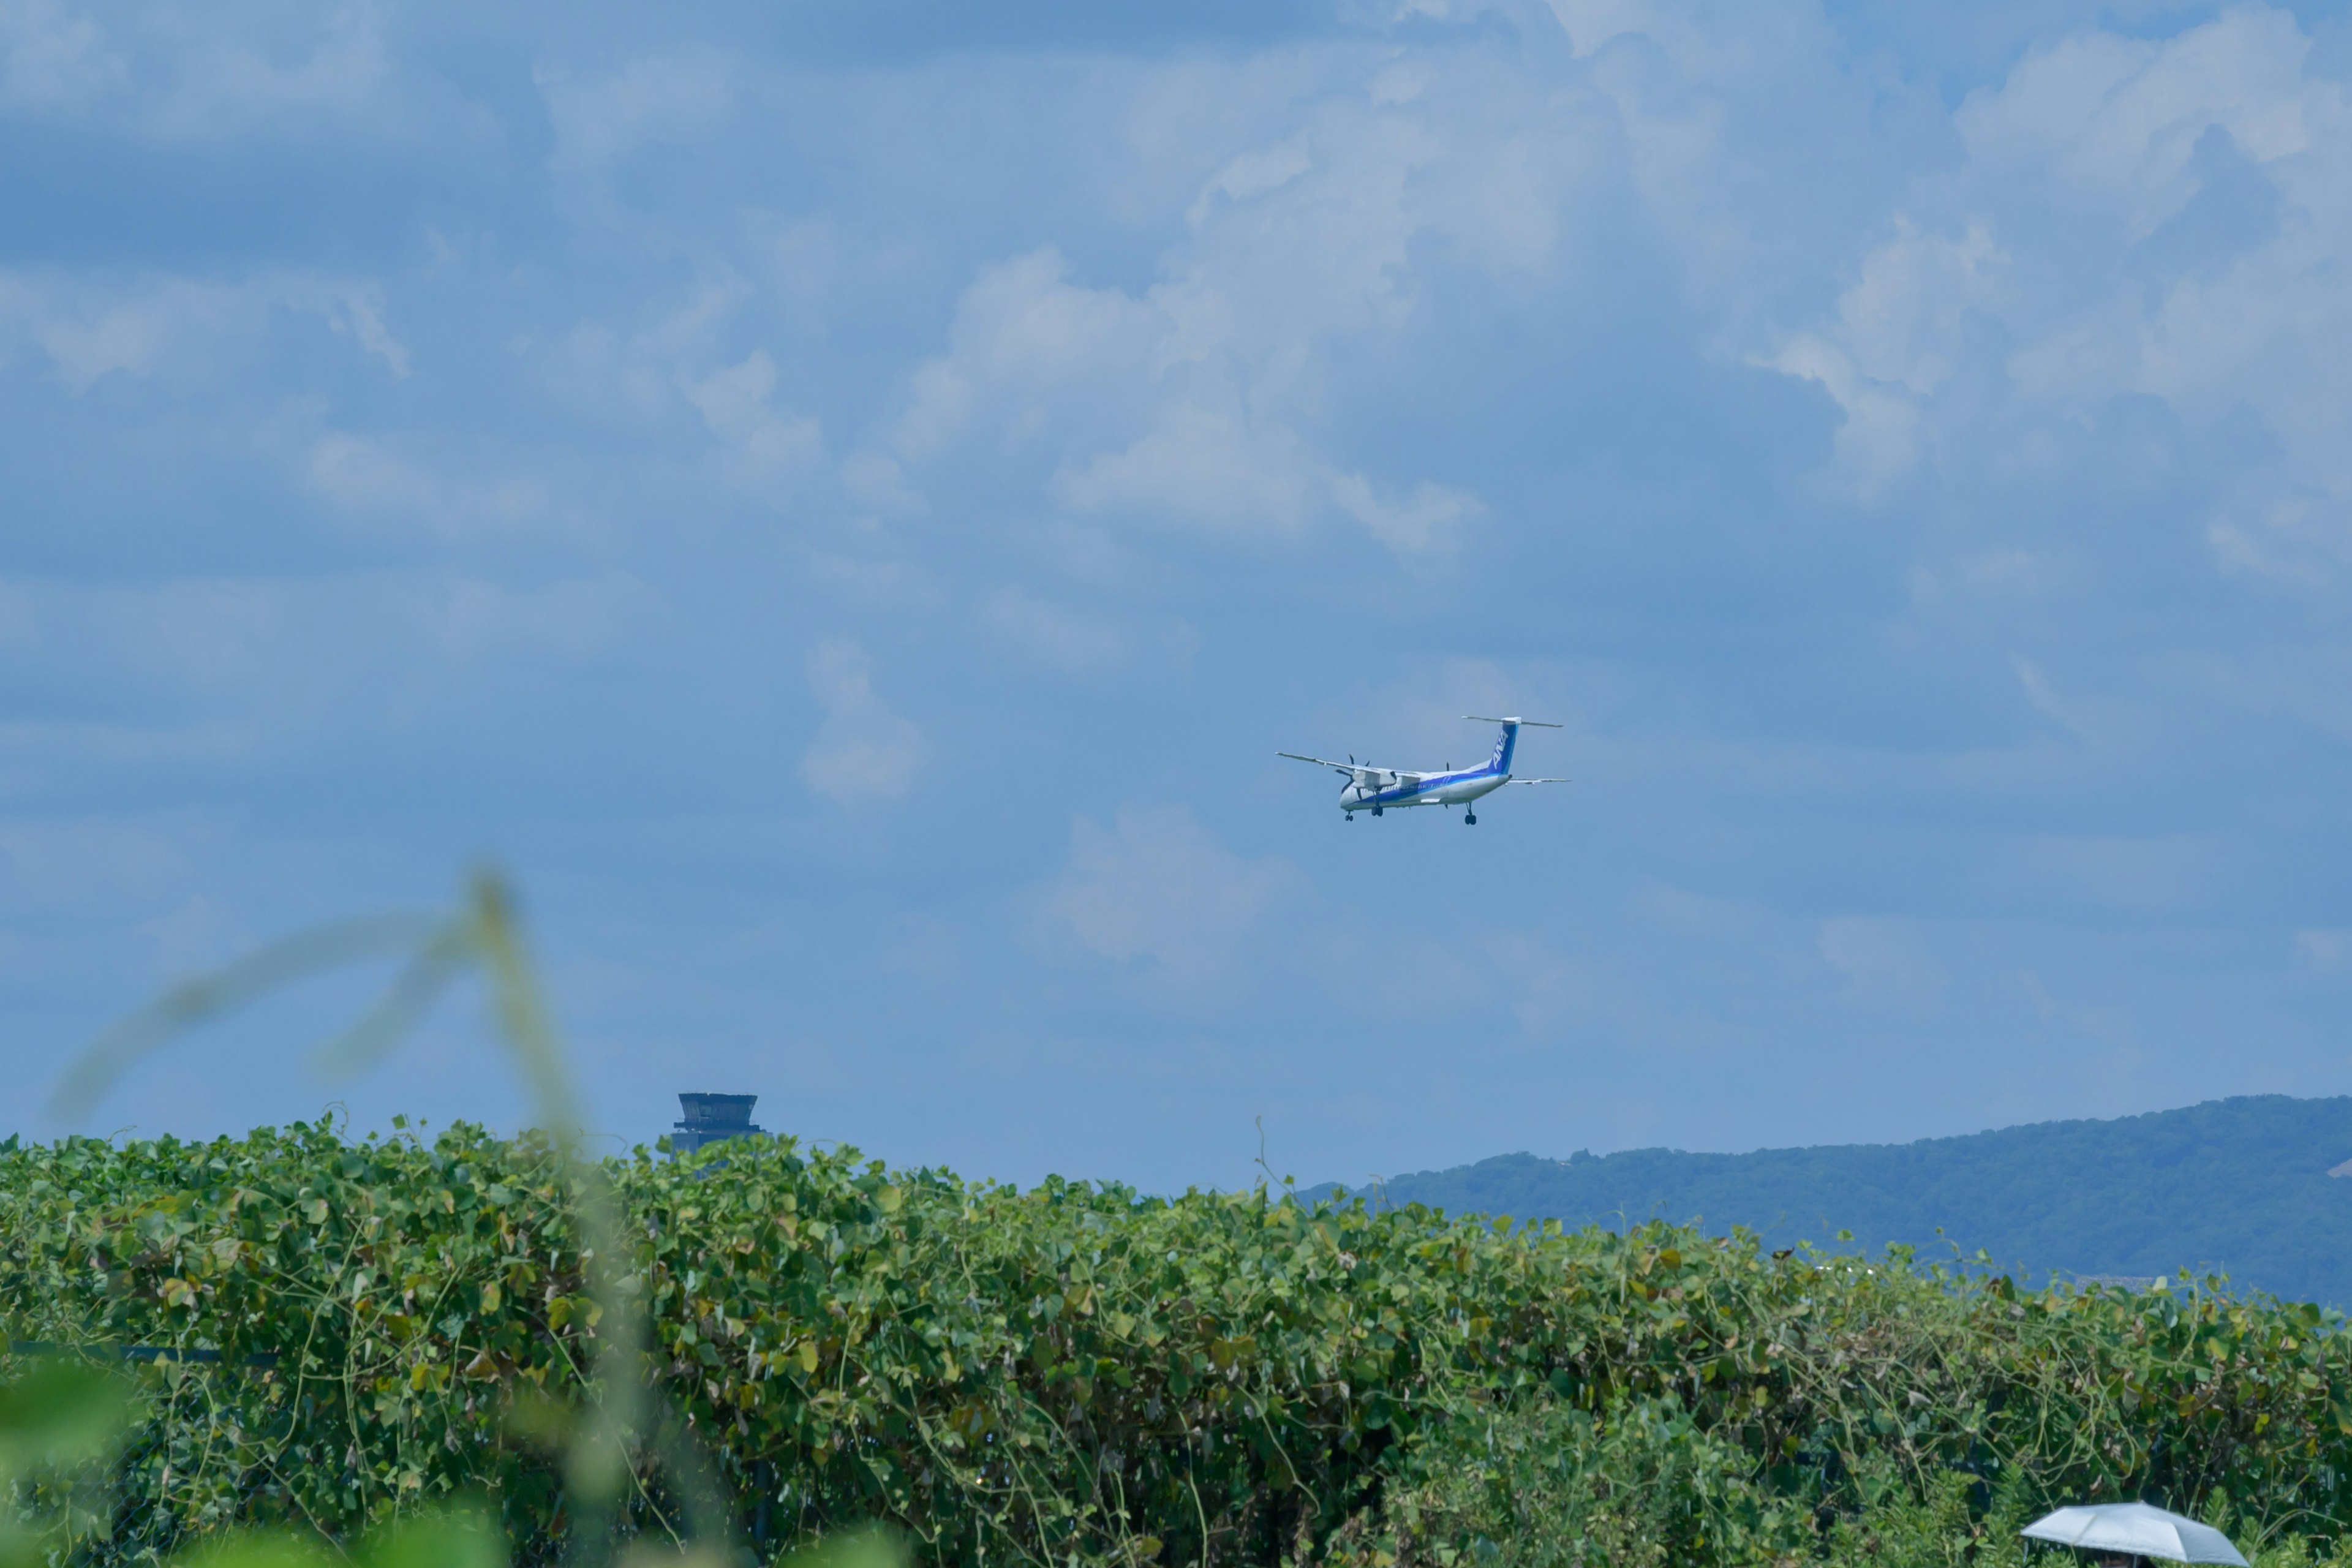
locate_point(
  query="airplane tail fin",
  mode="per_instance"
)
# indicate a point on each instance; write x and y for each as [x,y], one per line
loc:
[1509,741]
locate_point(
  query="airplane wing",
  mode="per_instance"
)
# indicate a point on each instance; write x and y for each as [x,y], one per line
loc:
[1364,773]
[1543,780]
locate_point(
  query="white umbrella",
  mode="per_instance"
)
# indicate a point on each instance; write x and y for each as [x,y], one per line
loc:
[2137,1530]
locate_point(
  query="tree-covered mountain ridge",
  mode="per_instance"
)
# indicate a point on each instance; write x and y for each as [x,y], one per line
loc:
[2241,1186]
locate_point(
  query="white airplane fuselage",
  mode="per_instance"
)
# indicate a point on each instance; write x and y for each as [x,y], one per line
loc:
[1381,789]
[1375,789]
[1459,787]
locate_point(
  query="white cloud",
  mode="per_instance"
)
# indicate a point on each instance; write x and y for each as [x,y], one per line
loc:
[1902,319]
[2109,1025]
[863,751]
[677,96]
[224,635]
[1551,993]
[55,56]
[2116,118]
[2260,319]
[267,659]
[1413,523]
[2103,725]
[1197,927]
[353,309]
[454,488]
[1187,402]
[2311,686]
[2040,256]
[1997,578]
[175,329]
[1205,465]
[1157,893]
[1072,640]
[1590,24]
[1698,914]
[140,336]
[1880,435]
[684,362]
[1896,341]
[2146,875]
[166,72]
[2325,949]
[1251,174]
[2108,1080]
[1023,335]
[1885,964]
[568,619]
[237,68]
[734,403]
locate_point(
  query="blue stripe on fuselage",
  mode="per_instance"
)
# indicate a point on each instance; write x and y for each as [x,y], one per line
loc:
[1410,788]
[1498,769]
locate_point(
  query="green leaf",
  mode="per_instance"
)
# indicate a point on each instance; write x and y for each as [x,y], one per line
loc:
[449,1538]
[60,1414]
[853,1549]
[271,1549]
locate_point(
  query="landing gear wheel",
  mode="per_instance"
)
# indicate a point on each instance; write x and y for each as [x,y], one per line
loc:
[1469,819]
[1376,811]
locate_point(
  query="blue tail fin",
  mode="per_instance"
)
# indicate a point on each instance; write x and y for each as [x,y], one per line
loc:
[1505,743]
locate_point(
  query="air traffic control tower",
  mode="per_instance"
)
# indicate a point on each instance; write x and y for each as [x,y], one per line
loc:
[711,1118]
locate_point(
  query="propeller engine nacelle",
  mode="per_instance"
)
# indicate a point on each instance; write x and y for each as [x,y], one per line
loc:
[1365,784]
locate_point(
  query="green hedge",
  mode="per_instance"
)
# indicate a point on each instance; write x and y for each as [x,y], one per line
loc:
[1076,1371]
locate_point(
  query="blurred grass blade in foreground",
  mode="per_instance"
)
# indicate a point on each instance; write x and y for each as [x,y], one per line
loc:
[59,1414]
[606,1450]
[101,1064]
[57,1422]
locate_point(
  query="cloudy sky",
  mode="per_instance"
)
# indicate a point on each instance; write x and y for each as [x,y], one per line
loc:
[844,502]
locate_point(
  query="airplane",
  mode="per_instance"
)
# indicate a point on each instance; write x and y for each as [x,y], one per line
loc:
[1377,789]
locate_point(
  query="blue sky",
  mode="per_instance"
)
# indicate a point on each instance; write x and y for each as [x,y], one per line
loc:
[844,502]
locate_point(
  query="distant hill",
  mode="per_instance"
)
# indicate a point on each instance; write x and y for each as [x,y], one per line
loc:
[2237,1185]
